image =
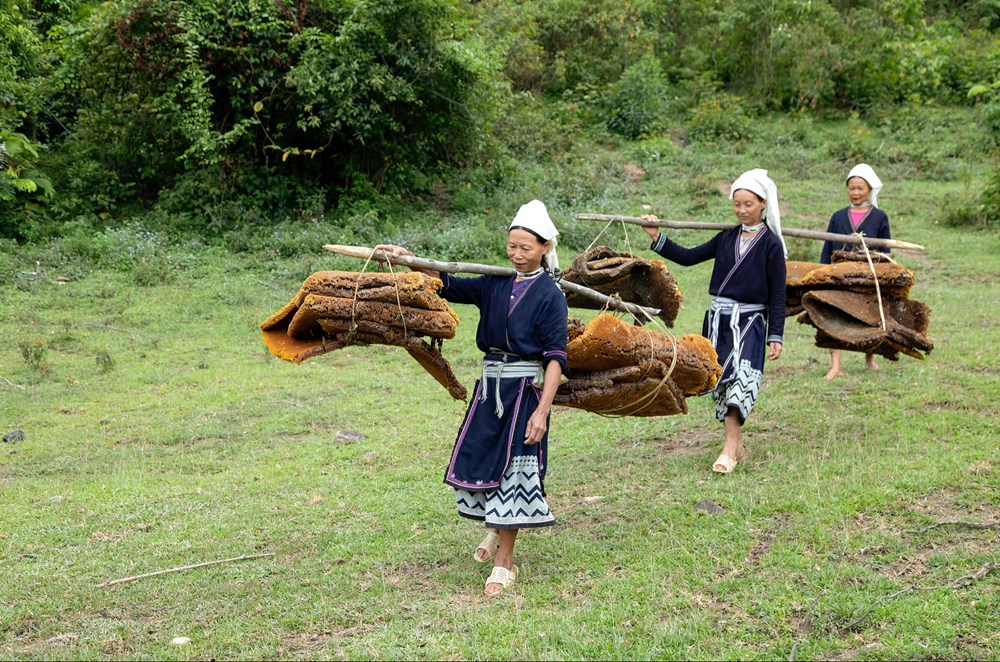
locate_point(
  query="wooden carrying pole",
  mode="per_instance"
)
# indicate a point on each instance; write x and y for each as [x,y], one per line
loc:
[791,232]
[641,313]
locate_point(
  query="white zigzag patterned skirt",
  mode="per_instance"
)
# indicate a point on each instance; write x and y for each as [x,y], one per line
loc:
[517,504]
[740,392]
[742,359]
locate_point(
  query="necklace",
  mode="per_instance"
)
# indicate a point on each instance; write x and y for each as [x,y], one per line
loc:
[753,228]
[531,274]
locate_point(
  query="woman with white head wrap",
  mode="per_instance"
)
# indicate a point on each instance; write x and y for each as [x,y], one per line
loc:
[747,316]
[862,216]
[499,460]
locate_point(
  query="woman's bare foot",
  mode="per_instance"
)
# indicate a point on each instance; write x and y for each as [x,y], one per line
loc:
[733,450]
[833,374]
[870,362]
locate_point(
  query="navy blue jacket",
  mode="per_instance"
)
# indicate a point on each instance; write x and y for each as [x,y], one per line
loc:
[535,329]
[757,277]
[875,224]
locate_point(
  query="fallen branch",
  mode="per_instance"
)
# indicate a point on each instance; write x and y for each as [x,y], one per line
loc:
[961,582]
[642,313]
[967,525]
[12,384]
[791,232]
[183,567]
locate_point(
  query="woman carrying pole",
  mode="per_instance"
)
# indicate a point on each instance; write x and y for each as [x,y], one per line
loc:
[747,315]
[500,456]
[863,217]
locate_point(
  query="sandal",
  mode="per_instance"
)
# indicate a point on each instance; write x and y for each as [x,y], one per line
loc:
[724,465]
[490,544]
[502,576]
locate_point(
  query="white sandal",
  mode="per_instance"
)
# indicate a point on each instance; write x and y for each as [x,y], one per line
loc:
[502,576]
[490,544]
[726,463]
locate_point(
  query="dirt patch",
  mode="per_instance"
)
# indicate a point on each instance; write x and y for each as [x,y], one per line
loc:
[412,576]
[853,653]
[802,624]
[914,565]
[687,442]
[947,405]
[954,504]
[775,525]
[723,613]
[307,644]
[975,279]
[807,366]
[978,369]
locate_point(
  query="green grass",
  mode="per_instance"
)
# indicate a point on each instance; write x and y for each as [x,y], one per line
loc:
[160,432]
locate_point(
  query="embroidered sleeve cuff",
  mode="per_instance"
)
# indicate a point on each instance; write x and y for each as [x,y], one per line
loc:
[658,244]
[777,339]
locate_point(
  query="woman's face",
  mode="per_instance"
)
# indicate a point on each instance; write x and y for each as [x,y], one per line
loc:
[525,250]
[858,190]
[748,207]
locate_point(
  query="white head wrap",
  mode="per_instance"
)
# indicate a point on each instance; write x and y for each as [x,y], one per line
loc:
[867,173]
[533,216]
[756,181]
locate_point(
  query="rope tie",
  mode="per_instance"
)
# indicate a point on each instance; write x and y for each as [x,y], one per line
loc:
[878,290]
[644,401]
[641,402]
[357,289]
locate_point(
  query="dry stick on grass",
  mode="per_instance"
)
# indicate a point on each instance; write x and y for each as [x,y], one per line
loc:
[967,525]
[718,227]
[961,582]
[111,582]
[12,384]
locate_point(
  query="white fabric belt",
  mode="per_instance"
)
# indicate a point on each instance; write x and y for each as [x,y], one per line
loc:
[732,308]
[513,370]
[726,305]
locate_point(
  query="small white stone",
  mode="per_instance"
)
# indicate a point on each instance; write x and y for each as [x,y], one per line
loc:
[180,641]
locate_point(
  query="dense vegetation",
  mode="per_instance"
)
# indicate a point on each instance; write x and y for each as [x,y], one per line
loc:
[209,117]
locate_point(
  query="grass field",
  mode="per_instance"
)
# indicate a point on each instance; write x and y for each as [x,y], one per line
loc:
[159,433]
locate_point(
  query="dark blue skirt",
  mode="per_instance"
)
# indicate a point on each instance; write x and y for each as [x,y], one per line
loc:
[741,353]
[497,478]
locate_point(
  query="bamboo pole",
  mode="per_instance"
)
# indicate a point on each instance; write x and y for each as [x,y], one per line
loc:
[791,232]
[641,313]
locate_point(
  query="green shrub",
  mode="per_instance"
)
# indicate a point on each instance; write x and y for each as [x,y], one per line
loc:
[719,117]
[637,102]
[33,352]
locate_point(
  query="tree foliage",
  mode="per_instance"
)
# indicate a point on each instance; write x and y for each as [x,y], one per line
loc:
[218,111]
[243,90]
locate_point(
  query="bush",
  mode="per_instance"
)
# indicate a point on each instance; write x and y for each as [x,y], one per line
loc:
[637,102]
[719,117]
[211,102]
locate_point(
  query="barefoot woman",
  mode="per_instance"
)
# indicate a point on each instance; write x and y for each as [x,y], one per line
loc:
[498,464]
[747,316]
[862,216]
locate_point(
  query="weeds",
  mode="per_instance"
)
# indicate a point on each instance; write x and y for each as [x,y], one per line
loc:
[33,352]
